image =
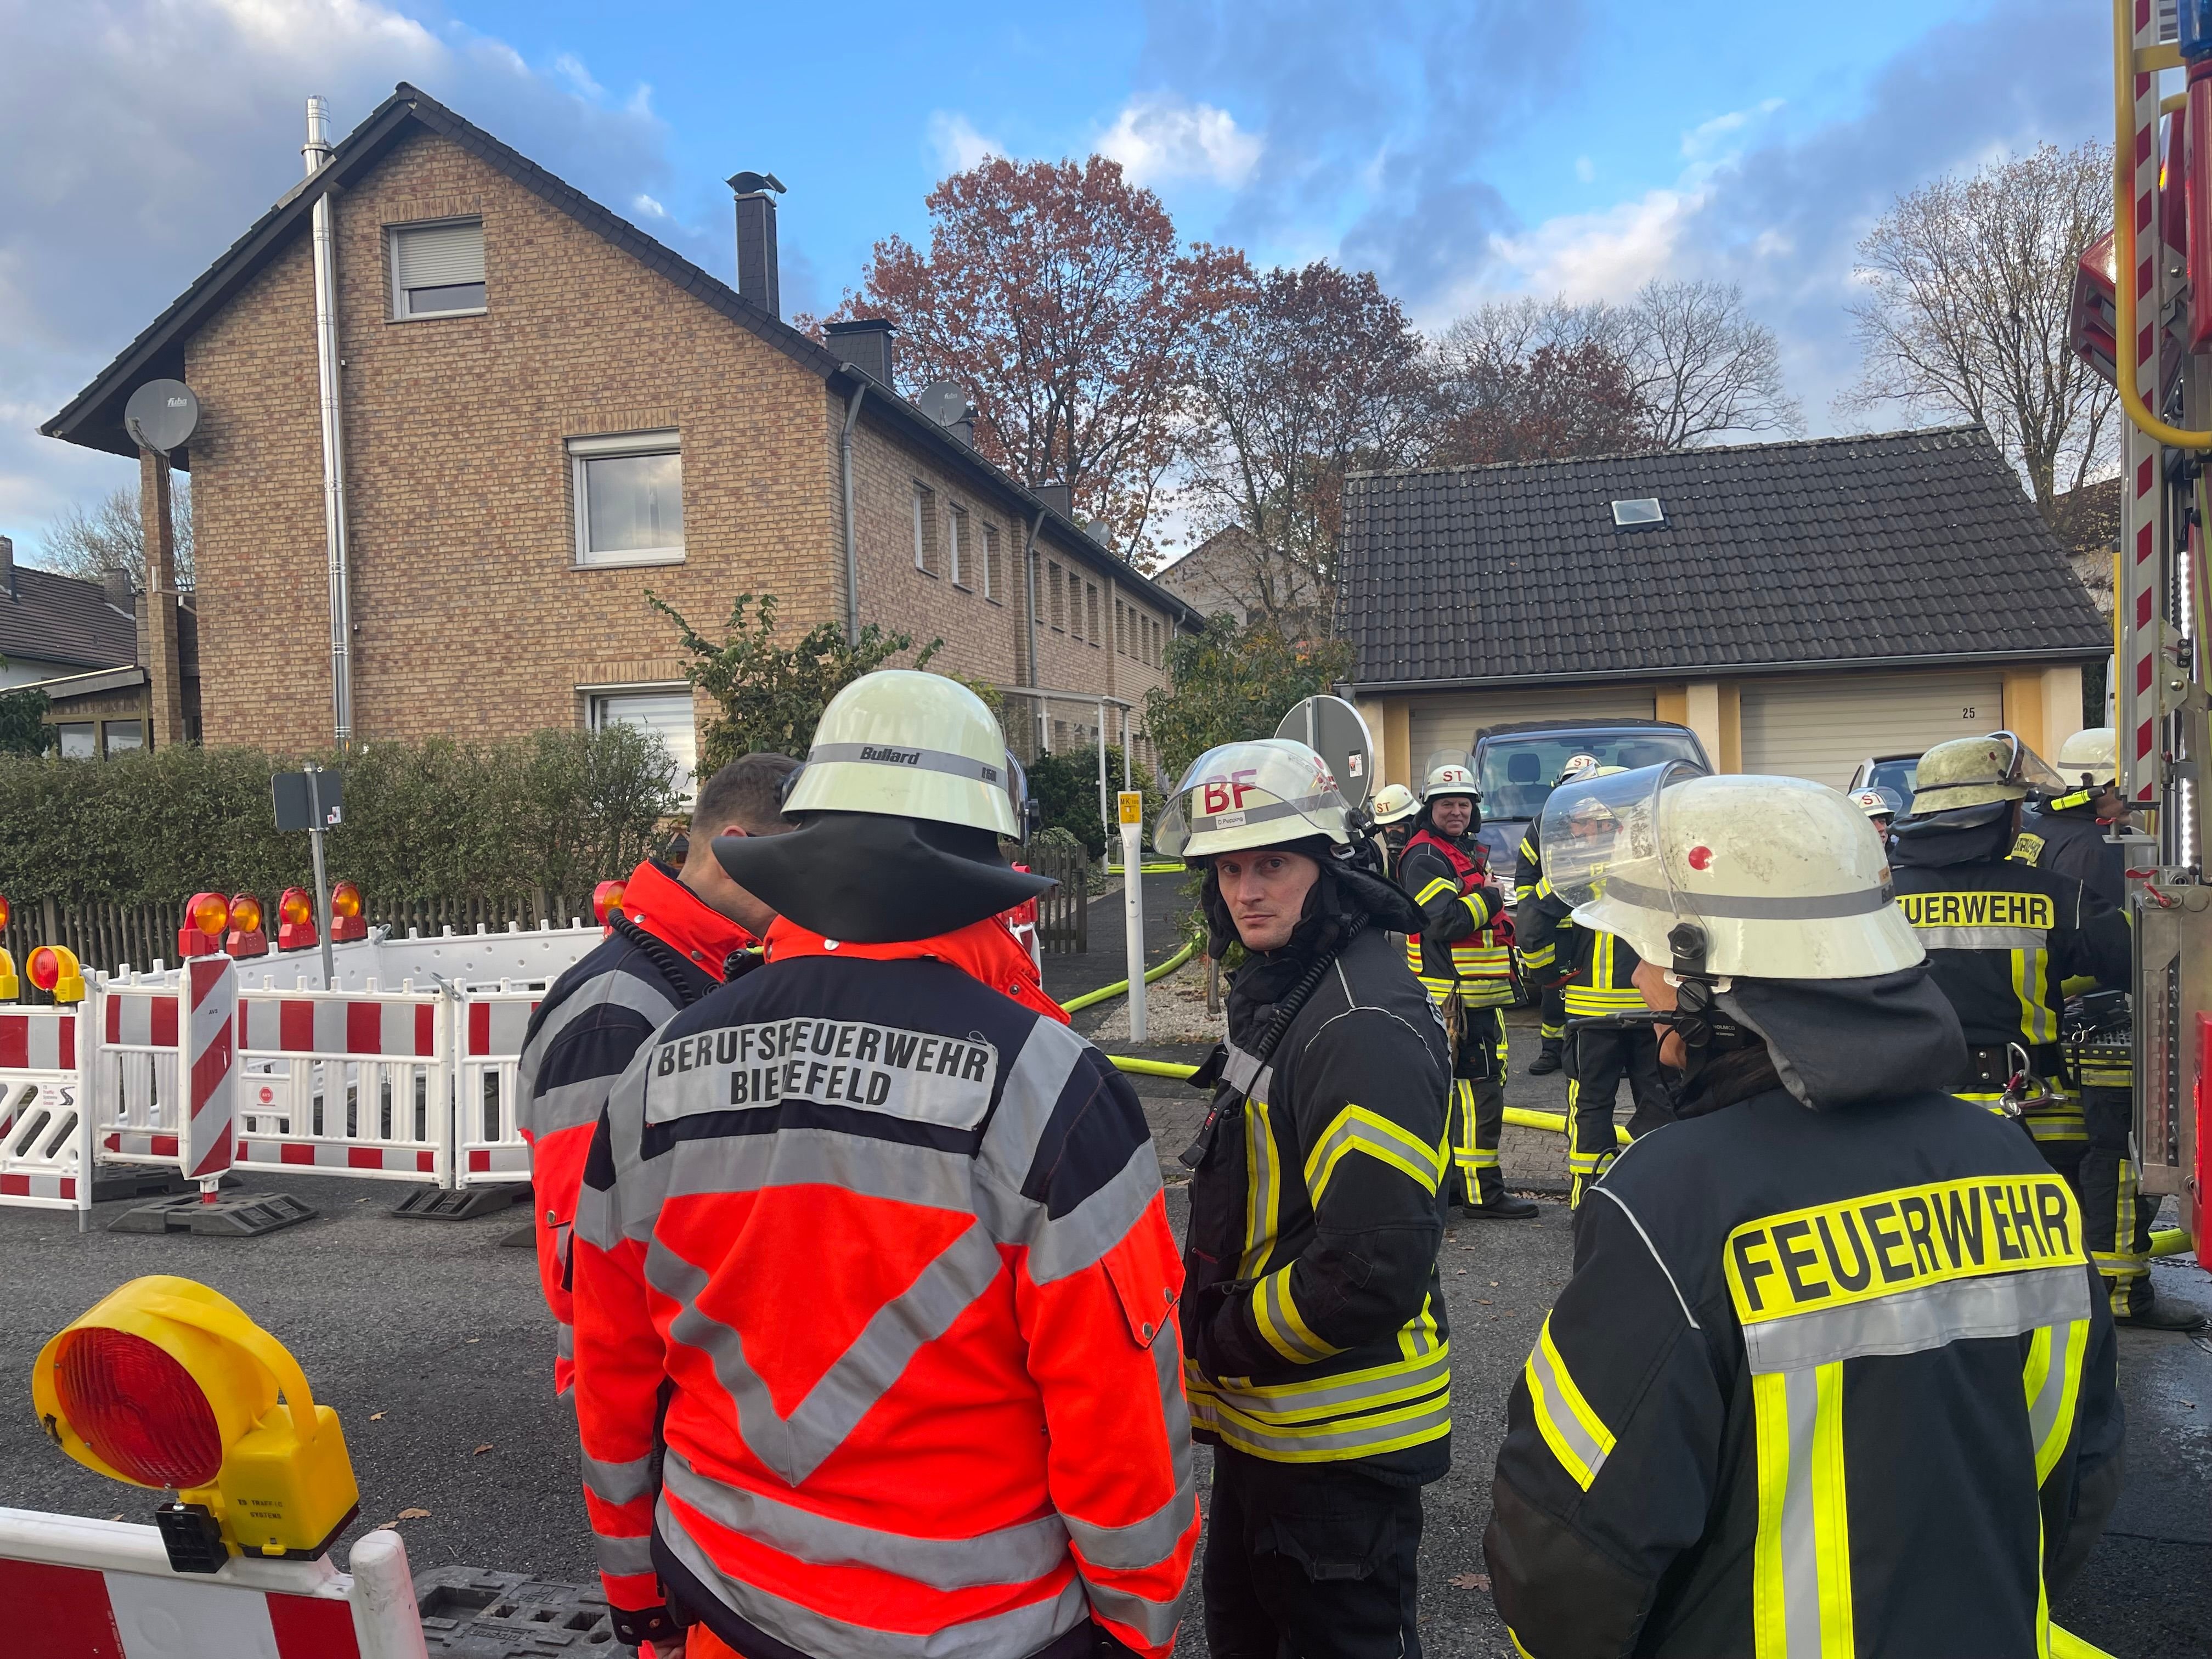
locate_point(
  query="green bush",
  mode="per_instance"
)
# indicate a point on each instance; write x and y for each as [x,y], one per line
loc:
[550,813]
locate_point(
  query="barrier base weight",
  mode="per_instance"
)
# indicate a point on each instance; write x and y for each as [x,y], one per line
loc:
[236,1215]
[120,1181]
[469,1612]
[435,1204]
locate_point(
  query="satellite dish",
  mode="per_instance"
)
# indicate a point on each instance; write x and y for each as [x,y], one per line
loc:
[1332,729]
[161,414]
[944,401]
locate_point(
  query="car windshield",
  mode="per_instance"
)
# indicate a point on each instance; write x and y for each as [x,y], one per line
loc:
[1517,773]
[1894,775]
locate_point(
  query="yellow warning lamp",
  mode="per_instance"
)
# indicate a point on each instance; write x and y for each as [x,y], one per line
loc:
[53,969]
[295,919]
[606,902]
[206,916]
[346,920]
[4,912]
[246,937]
[167,1384]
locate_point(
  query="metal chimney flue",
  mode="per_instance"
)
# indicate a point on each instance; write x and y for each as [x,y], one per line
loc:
[316,150]
[756,260]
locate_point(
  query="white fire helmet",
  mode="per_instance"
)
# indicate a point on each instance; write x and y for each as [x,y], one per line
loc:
[1449,775]
[1393,804]
[904,744]
[1876,803]
[2090,758]
[1766,878]
[1579,766]
[1268,792]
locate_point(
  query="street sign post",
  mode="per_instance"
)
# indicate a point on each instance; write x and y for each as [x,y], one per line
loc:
[1133,904]
[313,800]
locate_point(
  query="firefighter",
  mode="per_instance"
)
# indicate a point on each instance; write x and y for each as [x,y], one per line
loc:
[1462,952]
[1880,805]
[1319,1358]
[2064,830]
[678,933]
[1831,1375]
[875,1290]
[2003,935]
[1595,973]
[1393,809]
[1529,871]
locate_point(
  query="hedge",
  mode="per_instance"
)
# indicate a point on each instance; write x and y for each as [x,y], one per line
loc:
[550,813]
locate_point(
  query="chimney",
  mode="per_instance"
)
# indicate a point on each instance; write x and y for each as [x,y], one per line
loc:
[6,567]
[1059,497]
[964,428]
[756,262]
[116,580]
[866,344]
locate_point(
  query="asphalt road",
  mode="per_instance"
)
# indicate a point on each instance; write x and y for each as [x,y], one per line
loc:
[429,1339]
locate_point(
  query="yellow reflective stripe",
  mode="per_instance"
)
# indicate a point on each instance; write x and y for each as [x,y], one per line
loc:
[1357,1129]
[1527,849]
[1478,906]
[1413,952]
[1831,1526]
[1283,1326]
[1543,955]
[1263,1190]
[1430,1395]
[1769,1403]
[1576,1435]
[1517,1648]
[1591,1000]
[1801,1552]
[2051,1398]
[1544,885]
[2038,1022]
[1441,884]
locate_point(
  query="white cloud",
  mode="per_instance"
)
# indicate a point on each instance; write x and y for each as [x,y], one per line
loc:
[1710,141]
[570,68]
[1604,255]
[1160,137]
[958,146]
[646,205]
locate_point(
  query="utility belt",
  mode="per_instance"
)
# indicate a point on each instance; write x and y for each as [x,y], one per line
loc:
[1994,1063]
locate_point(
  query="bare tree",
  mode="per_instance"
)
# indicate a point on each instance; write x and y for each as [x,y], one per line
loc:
[1968,284]
[1701,366]
[110,536]
[1301,375]
[1507,332]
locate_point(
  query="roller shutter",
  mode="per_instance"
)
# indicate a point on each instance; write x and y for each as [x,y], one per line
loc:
[1450,719]
[667,715]
[1822,728]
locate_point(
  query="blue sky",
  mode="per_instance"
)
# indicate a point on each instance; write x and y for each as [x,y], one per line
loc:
[1460,151]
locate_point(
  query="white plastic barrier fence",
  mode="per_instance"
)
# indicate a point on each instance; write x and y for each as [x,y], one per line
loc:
[79,1589]
[337,1080]
[46,1139]
[490,1023]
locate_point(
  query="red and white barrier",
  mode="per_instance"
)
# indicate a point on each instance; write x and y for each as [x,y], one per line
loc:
[46,1139]
[211,1079]
[349,1082]
[79,1589]
[488,1144]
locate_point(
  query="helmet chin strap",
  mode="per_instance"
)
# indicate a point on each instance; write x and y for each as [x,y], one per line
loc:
[1696,1018]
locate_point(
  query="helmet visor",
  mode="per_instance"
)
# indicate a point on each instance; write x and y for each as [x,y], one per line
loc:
[1018,788]
[2029,767]
[1598,831]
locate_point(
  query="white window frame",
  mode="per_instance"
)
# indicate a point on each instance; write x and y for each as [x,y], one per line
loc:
[392,236]
[955,516]
[925,510]
[598,447]
[990,560]
[595,718]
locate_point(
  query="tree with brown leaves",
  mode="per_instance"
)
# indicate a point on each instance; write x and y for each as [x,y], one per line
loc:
[1058,296]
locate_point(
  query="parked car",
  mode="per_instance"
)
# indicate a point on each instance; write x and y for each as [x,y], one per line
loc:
[1515,765]
[1894,773]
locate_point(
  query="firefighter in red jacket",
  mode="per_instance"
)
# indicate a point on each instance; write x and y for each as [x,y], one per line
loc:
[876,1333]
[673,940]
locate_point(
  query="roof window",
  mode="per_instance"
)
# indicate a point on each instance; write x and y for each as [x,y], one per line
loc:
[1643,510]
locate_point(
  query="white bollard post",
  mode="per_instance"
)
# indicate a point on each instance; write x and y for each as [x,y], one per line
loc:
[385,1620]
[1133,905]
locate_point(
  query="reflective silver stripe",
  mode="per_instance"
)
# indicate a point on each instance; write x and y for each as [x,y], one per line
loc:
[1552,1403]
[2043,1409]
[1353,1436]
[1913,1320]
[1680,1301]
[1013,1555]
[1800,1548]
[1155,1621]
[618,1483]
[1141,1544]
[910,760]
[623,1557]
[564,1340]
[612,987]
[794,1446]
[1274,1292]
[595,1222]
[1244,1073]
[1318,1399]
[1077,1240]
[1174,1404]
[1813,906]
[1020,1630]
[1983,938]
[1201,822]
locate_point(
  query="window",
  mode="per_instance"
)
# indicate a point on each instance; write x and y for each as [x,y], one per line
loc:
[1037,590]
[79,740]
[1643,510]
[925,530]
[956,532]
[437,270]
[1059,603]
[991,581]
[663,710]
[120,737]
[1090,607]
[629,498]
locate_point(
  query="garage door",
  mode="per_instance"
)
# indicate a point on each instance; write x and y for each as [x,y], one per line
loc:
[1451,721]
[1823,728]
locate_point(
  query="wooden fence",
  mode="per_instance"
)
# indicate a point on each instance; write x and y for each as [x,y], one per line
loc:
[1063,912]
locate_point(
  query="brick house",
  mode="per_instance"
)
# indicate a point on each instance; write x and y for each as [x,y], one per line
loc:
[83,643]
[543,415]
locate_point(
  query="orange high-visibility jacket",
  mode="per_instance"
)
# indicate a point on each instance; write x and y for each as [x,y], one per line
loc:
[883,1257]
[664,952]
